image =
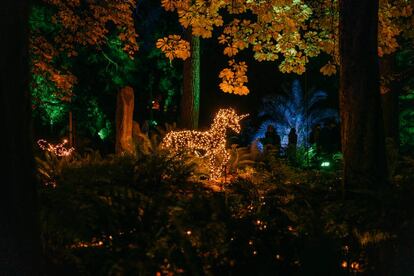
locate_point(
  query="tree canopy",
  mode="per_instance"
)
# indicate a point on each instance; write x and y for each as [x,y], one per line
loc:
[291,32]
[60,30]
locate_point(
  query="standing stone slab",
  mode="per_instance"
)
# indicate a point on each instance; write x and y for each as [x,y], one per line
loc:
[124,116]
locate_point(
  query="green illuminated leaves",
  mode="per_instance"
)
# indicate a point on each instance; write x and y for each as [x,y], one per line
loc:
[45,103]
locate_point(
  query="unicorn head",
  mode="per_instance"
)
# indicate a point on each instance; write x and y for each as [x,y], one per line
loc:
[228,118]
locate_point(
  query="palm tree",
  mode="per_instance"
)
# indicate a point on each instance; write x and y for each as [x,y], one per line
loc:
[294,109]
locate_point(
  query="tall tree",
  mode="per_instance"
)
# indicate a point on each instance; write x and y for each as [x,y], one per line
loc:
[190,99]
[389,97]
[78,26]
[360,106]
[395,21]
[19,235]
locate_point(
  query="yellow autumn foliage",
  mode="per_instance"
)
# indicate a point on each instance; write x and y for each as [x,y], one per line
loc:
[328,69]
[234,78]
[174,47]
[290,31]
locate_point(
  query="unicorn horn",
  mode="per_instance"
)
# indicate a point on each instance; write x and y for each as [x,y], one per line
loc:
[241,117]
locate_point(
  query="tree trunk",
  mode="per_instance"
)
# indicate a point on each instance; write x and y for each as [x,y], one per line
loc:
[389,100]
[124,119]
[19,232]
[190,100]
[390,107]
[360,106]
[71,141]
[391,113]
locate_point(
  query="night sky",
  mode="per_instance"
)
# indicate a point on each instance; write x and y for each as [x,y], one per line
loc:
[264,79]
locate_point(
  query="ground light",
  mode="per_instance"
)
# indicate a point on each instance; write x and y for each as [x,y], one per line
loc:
[103,133]
[325,164]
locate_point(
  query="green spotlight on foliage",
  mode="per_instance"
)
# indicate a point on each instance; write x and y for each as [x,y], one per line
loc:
[103,133]
[46,103]
[325,164]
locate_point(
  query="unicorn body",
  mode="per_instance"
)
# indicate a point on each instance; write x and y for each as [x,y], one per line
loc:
[210,144]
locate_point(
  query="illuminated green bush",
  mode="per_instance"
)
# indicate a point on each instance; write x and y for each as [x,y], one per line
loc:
[407,119]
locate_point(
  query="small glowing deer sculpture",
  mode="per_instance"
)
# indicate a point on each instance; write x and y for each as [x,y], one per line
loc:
[211,143]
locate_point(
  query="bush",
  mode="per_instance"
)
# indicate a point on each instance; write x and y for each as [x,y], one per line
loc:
[143,215]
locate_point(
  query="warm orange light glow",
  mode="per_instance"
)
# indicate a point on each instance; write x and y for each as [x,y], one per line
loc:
[87,244]
[210,144]
[355,266]
[58,149]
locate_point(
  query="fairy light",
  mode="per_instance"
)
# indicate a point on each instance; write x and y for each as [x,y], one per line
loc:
[212,141]
[353,266]
[261,224]
[104,240]
[93,243]
[58,149]
[52,184]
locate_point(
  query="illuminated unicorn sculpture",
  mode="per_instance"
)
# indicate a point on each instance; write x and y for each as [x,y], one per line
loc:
[210,144]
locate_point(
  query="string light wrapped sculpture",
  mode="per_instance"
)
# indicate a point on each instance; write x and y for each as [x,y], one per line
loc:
[59,149]
[210,144]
